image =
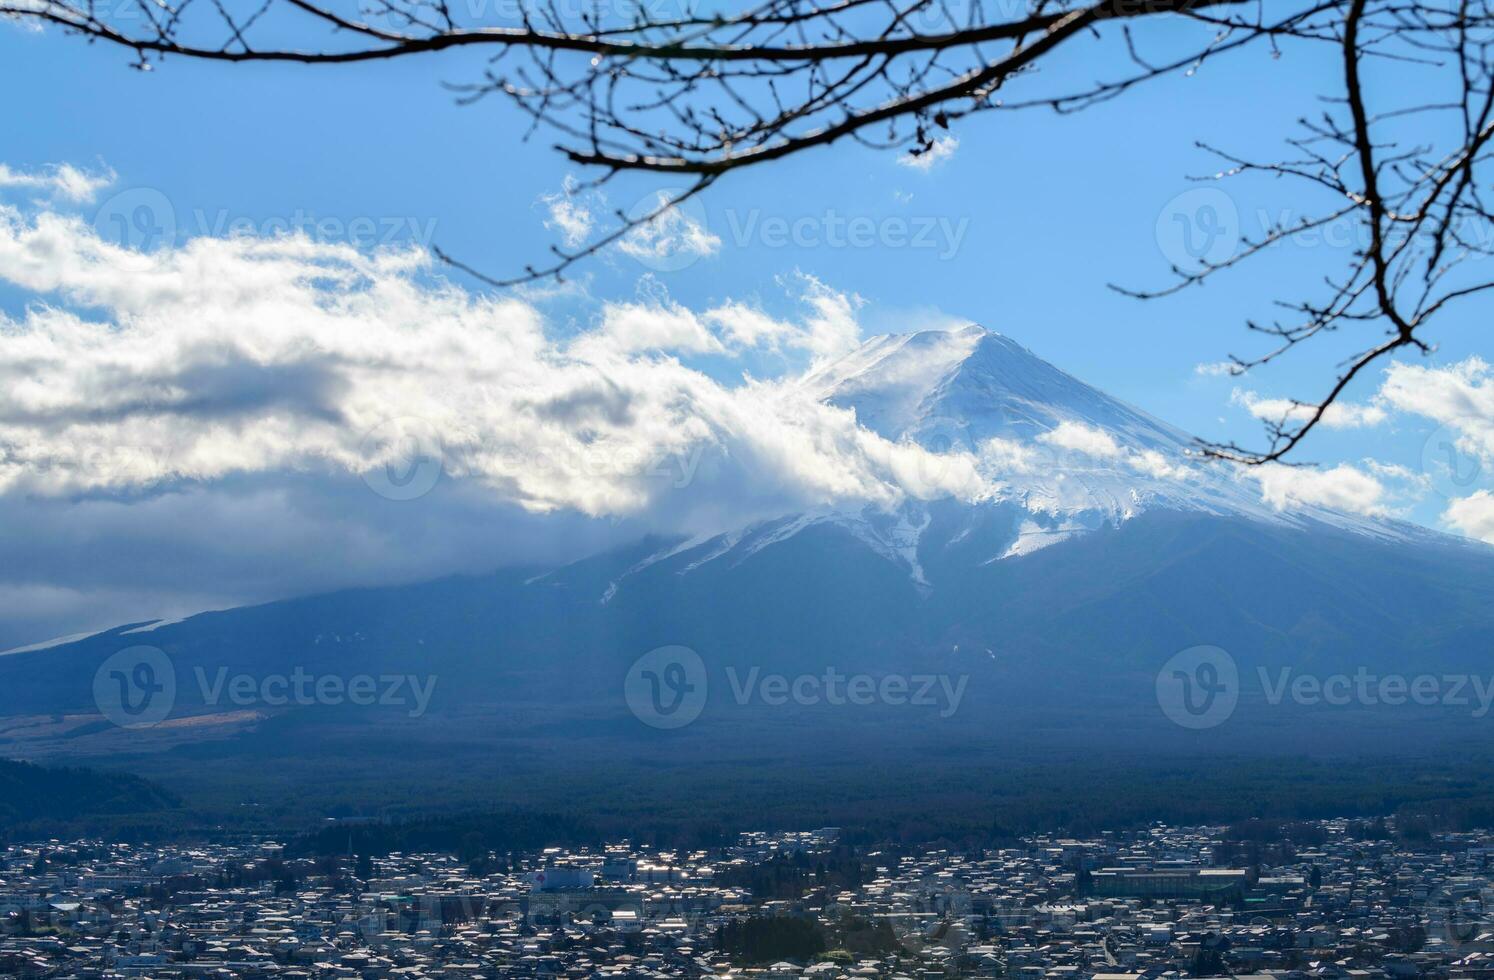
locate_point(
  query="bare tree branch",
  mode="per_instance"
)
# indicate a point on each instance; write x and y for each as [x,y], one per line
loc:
[629,87]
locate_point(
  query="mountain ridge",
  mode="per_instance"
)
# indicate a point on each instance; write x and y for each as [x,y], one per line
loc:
[1070,457]
[973,394]
[1054,604]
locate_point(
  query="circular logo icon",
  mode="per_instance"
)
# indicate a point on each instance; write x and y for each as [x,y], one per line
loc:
[136,222]
[666,687]
[1453,471]
[675,239]
[1199,227]
[403,458]
[946,449]
[372,925]
[136,687]
[1464,912]
[1199,687]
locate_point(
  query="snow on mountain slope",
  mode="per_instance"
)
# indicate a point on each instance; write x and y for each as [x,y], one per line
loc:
[1041,436]
[1062,458]
[901,385]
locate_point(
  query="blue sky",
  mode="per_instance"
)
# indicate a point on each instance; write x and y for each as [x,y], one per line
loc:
[1022,225]
[1053,208]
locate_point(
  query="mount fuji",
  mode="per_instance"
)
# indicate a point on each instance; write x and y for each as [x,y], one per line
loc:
[1057,458]
[1098,546]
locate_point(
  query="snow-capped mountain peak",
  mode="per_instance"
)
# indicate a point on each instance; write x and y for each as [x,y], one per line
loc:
[982,383]
[1062,459]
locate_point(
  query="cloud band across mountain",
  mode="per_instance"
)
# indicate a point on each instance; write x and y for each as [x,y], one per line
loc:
[185,397]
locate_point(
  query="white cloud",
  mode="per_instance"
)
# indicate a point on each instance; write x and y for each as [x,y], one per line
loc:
[748,326]
[570,216]
[231,383]
[940,150]
[677,237]
[1009,456]
[1154,464]
[829,325]
[1087,440]
[60,181]
[235,357]
[1415,483]
[1460,396]
[1342,488]
[655,326]
[1083,438]
[1339,415]
[653,323]
[830,329]
[1214,369]
[234,383]
[1473,515]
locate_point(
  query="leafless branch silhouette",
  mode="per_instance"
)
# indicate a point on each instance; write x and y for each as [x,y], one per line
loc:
[666,87]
